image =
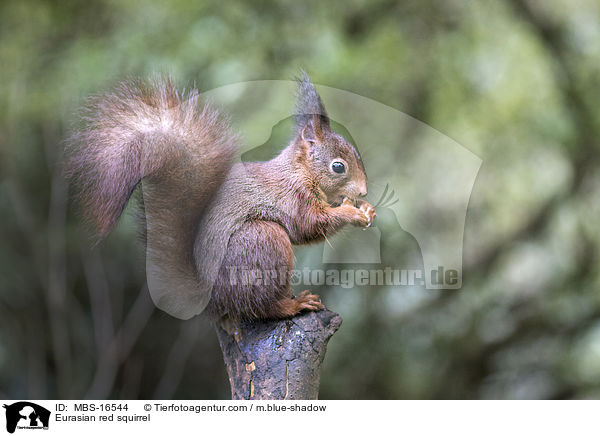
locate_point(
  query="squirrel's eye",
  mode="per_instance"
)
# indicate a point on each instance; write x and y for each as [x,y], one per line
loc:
[338,167]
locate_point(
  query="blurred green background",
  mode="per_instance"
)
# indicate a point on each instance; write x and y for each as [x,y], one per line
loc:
[516,82]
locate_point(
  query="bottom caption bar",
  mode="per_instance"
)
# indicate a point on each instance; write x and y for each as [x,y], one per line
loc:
[299,417]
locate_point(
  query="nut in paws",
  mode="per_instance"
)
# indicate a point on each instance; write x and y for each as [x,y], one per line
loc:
[369,212]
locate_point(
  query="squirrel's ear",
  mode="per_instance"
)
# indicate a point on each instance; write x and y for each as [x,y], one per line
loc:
[311,134]
[312,131]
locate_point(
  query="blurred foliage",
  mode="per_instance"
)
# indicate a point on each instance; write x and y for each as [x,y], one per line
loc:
[516,82]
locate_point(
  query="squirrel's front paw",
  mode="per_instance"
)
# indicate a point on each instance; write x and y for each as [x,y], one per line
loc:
[363,215]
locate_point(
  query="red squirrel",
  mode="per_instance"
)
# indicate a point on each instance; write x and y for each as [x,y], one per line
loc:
[207,218]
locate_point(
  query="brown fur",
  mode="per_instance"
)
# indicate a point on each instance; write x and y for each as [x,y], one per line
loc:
[204,216]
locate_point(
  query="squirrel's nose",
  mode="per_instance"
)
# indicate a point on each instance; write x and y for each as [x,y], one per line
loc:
[363,191]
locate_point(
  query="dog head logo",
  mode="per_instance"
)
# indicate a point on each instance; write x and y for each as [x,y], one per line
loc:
[26,415]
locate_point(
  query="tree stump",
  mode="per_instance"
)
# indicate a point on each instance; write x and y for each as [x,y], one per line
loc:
[278,360]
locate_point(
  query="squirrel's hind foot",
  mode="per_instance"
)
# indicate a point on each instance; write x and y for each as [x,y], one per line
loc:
[309,301]
[288,307]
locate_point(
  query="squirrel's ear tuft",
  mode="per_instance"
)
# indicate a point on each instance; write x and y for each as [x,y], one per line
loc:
[310,111]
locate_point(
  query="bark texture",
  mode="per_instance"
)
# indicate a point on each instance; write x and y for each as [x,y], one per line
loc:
[278,360]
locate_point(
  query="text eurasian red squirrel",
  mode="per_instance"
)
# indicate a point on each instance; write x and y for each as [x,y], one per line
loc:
[206,216]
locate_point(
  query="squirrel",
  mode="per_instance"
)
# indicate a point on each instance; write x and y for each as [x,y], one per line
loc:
[206,217]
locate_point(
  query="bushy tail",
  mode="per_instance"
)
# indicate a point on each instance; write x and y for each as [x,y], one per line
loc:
[179,149]
[145,130]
